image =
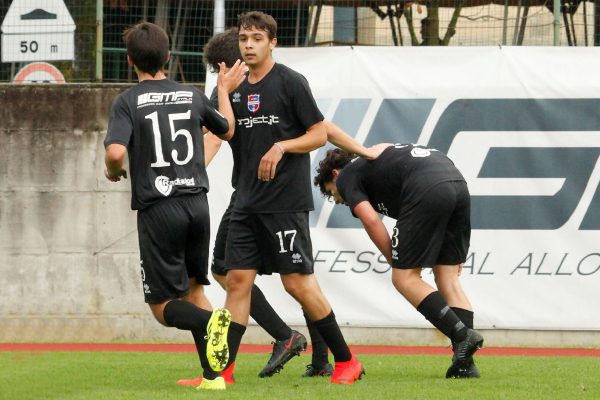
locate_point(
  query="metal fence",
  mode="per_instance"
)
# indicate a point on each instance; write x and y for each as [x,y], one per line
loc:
[32,31]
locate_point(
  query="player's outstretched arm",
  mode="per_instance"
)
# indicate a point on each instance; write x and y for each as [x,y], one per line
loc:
[338,137]
[314,138]
[375,228]
[228,80]
[114,160]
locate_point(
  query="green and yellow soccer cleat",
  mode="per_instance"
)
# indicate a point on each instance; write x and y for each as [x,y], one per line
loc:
[212,384]
[217,350]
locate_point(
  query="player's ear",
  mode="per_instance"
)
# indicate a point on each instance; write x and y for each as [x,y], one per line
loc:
[168,57]
[273,43]
[129,61]
[335,173]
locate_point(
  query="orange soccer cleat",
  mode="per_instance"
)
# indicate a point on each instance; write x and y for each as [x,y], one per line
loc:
[347,372]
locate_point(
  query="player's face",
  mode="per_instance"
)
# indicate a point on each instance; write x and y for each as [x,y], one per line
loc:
[331,188]
[255,46]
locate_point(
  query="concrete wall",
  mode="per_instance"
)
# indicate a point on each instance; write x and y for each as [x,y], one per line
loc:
[68,243]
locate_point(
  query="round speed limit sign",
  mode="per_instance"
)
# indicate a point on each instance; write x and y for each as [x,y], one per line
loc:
[39,72]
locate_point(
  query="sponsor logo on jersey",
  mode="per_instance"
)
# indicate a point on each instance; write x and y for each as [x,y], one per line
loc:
[394,254]
[165,186]
[157,98]
[263,119]
[253,102]
[296,258]
[236,97]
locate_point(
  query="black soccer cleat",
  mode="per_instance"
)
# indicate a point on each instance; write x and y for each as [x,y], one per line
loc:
[316,370]
[470,371]
[462,361]
[283,351]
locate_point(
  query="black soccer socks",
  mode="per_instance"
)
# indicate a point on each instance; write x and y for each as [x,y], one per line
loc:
[319,347]
[435,309]
[234,338]
[186,316]
[332,335]
[200,341]
[265,316]
[465,316]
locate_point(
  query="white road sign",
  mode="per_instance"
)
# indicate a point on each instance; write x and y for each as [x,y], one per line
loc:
[38,30]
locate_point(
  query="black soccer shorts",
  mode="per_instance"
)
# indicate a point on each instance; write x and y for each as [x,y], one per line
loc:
[174,237]
[435,229]
[269,243]
[218,261]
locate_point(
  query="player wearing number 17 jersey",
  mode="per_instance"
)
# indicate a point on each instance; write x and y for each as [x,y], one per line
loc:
[158,124]
[277,125]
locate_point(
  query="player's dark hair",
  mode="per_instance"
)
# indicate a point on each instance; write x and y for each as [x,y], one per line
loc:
[148,46]
[258,20]
[223,47]
[334,159]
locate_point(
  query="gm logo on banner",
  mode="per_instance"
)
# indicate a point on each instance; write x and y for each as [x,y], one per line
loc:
[531,164]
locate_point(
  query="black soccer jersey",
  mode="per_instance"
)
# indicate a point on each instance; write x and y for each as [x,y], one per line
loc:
[402,173]
[159,121]
[279,107]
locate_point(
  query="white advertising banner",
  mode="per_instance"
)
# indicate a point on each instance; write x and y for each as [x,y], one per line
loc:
[523,126]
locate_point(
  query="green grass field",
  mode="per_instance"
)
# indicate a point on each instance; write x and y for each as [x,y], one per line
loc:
[120,375]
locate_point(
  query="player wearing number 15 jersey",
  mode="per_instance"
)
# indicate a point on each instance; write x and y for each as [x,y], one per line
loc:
[158,124]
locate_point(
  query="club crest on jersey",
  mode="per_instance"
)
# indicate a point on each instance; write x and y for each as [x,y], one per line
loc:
[163,185]
[253,102]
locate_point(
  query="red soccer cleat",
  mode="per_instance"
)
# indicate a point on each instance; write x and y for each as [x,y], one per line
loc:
[227,374]
[347,372]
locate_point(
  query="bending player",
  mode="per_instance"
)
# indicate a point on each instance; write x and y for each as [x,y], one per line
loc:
[428,197]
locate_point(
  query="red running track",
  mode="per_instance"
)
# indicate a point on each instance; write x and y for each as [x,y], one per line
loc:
[256,348]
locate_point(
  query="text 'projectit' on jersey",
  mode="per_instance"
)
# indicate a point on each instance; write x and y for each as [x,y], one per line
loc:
[401,174]
[279,107]
[160,122]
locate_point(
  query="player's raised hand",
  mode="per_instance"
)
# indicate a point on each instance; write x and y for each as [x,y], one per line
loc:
[230,78]
[268,163]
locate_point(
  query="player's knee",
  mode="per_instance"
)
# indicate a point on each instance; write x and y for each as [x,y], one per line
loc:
[447,282]
[295,289]
[158,312]
[221,280]
[402,282]
[238,284]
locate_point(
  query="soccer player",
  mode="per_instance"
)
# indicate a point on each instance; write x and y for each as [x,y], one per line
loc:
[223,48]
[422,189]
[278,124]
[157,123]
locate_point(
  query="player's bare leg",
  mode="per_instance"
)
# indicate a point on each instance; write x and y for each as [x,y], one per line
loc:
[196,295]
[239,289]
[306,290]
[447,281]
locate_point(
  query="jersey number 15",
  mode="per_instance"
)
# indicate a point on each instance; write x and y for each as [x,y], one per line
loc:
[160,158]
